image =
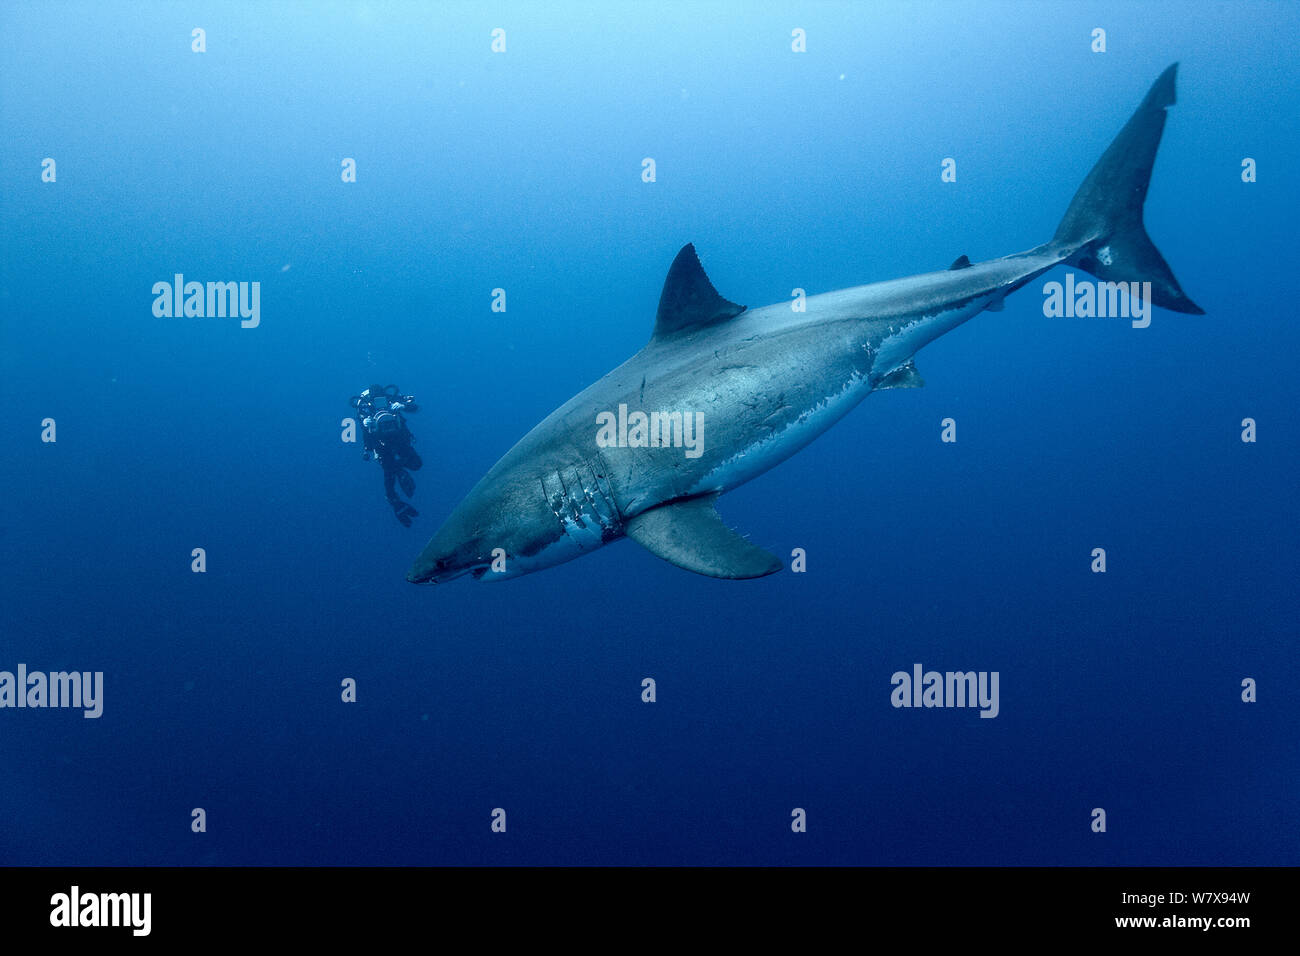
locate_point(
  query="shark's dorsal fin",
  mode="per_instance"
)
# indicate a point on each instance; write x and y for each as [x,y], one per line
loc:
[963,262]
[691,535]
[689,299]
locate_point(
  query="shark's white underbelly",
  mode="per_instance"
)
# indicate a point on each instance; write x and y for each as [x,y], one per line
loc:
[767,451]
[578,539]
[900,342]
[895,348]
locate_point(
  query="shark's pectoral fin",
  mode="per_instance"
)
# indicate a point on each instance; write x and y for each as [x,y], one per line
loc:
[691,535]
[905,376]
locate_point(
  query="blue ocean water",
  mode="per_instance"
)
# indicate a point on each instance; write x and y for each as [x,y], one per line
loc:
[522,170]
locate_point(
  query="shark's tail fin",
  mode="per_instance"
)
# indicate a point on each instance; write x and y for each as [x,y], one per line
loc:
[1104,222]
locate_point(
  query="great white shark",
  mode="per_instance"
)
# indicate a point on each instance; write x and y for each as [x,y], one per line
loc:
[754,386]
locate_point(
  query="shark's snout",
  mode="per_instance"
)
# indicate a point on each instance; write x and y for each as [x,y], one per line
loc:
[440,570]
[428,570]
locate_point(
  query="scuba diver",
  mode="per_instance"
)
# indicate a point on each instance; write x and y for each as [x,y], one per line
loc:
[386,437]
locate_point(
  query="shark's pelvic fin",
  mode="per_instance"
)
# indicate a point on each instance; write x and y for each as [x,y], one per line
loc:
[691,535]
[905,376]
[689,299]
[963,262]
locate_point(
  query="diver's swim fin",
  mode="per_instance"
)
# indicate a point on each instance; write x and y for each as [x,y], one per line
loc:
[407,482]
[404,512]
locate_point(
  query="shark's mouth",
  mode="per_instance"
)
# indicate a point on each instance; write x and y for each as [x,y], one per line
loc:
[437,575]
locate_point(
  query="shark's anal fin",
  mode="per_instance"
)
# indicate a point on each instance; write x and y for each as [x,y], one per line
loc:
[905,376]
[689,299]
[963,262]
[691,535]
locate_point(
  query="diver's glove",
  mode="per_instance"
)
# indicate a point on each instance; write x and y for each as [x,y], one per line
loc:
[406,482]
[404,513]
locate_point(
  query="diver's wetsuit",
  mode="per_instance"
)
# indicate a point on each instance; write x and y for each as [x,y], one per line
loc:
[398,459]
[386,437]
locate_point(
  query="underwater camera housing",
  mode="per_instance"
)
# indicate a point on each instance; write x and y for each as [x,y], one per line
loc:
[386,423]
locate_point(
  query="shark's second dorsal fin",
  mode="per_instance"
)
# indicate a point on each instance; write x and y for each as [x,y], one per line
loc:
[963,262]
[691,535]
[689,299]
